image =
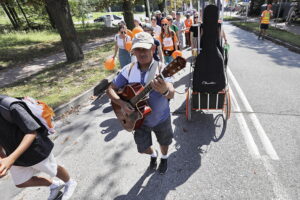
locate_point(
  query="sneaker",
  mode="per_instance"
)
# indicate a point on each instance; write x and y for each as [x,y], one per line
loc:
[153,163]
[163,166]
[55,190]
[69,189]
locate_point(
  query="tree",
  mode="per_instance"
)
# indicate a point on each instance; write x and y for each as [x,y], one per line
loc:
[128,13]
[60,12]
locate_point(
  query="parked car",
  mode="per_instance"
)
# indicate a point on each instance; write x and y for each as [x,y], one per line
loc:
[115,19]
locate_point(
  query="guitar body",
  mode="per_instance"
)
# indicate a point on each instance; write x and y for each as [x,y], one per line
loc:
[142,109]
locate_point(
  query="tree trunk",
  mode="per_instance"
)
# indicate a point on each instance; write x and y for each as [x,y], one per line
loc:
[50,17]
[60,11]
[20,7]
[9,16]
[13,14]
[13,11]
[128,13]
[146,8]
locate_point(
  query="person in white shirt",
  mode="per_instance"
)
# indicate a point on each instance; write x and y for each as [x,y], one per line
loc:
[121,38]
[181,30]
[156,28]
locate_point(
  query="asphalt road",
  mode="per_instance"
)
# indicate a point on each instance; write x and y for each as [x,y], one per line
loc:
[255,155]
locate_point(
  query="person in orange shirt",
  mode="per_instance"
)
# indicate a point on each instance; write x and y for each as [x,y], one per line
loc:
[188,23]
[265,21]
[168,40]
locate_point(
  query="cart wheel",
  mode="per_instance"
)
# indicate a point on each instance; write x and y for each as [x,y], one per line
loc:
[188,104]
[227,105]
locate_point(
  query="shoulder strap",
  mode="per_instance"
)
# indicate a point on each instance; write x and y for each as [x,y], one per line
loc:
[152,72]
[5,104]
[130,68]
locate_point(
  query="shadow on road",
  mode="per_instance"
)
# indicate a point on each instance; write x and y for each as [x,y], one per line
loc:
[192,141]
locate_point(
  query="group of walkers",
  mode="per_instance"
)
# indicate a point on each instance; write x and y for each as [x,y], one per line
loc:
[170,33]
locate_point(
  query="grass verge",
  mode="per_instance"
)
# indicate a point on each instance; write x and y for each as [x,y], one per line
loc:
[20,47]
[273,32]
[230,18]
[62,82]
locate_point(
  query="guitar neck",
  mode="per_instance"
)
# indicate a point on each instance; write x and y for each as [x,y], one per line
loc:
[142,94]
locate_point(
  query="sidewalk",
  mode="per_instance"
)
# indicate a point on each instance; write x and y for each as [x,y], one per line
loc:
[12,75]
[290,28]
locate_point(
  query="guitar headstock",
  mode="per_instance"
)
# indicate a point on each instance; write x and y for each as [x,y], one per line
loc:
[173,67]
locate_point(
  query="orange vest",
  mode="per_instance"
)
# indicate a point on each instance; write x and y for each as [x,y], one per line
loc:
[188,23]
[265,17]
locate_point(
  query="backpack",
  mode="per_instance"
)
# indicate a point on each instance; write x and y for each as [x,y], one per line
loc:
[40,111]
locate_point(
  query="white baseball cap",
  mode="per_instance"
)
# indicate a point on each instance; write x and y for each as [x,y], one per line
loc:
[142,40]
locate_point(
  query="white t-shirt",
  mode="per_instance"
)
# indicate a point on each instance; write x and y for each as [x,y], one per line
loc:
[120,41]
[156,30]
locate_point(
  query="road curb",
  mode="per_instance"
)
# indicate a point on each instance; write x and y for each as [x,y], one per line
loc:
[277,41]
[82,98]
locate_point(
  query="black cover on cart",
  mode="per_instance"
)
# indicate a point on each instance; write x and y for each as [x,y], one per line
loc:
[209,73]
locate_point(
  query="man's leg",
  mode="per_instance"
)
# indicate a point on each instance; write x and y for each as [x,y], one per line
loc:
[164,135]
[143,140]
[62,174]
[35,181]
[164,149]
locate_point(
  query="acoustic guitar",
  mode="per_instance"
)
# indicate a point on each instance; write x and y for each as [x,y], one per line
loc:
[135,95]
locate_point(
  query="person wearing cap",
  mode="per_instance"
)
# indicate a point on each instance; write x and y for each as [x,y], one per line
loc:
[159,120]
[173,13]
[137,23]
[120,43]
[169,40]
[157,55]
[158,17]
[156,28]
[181,29]
[188,23]
[173,27]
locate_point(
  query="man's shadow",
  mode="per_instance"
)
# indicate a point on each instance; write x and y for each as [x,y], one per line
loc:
[192,140]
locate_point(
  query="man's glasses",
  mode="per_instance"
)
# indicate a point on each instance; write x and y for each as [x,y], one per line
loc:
[169,19]
[164,24]
[123,32]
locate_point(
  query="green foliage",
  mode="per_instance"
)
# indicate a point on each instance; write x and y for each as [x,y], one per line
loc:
[81,8]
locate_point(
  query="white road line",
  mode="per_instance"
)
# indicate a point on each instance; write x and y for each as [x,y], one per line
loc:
[261,132]
[252,147]
[278,188]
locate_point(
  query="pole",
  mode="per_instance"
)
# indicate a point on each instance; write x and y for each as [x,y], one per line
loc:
[175,5]
[148,8]
[222,13]
[198,24]
[166,6]
[278,13]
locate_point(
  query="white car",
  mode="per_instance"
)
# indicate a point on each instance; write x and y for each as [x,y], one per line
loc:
[114,19]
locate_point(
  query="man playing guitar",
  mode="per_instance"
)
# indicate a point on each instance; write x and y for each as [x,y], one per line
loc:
[159,120]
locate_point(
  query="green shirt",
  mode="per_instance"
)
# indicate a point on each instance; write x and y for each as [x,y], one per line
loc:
[174,28]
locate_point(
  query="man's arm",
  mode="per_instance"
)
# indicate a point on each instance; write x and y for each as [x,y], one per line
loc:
[2,154]
[111,93]
[163,87]
[7,162]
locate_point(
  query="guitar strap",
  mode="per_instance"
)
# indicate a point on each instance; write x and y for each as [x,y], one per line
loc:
[151,73]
